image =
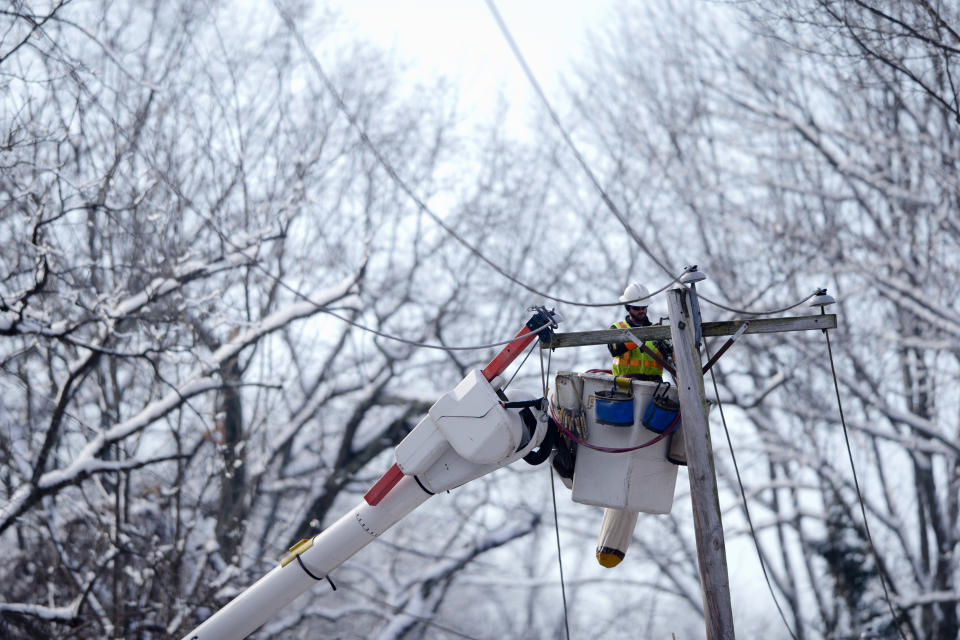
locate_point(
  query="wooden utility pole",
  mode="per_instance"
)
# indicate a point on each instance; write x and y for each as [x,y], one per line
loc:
[711,552]
[711,549]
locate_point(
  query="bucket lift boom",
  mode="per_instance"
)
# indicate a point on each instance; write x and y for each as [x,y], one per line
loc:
[469,432]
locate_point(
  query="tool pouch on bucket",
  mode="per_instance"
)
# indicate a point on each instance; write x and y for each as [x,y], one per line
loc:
[615,407]
[662,410]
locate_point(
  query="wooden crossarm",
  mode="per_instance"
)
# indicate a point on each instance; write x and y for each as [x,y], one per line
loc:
[710,329]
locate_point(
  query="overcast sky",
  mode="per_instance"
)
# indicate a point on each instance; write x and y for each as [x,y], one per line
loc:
[460,39]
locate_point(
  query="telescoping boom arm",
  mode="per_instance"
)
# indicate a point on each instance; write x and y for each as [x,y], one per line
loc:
[467,434]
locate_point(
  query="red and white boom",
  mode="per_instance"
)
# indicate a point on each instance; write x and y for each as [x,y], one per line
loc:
[467,434]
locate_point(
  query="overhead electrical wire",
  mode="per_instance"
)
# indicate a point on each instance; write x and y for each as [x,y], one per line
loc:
[533,346]
[566,137]
[400,182]
[422,206]
[440,347]
[856,484]
[545,378]
[306,298]
[403,185]
[755,313]
[556,529]
[514,47]
[393,174]
[743,496]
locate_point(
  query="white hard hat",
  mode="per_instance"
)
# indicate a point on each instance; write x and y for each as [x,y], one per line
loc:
[635,295]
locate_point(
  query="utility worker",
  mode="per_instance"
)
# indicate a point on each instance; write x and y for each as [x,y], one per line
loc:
[628,359]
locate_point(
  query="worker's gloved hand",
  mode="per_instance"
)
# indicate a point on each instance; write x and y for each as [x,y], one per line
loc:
[618,349]
[664,347]
[630,346]
[666,350]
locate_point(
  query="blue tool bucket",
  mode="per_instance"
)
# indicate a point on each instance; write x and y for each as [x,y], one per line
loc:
[662,411]
[614,408]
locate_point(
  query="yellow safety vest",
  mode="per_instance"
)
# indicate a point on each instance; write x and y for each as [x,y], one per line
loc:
[636,361]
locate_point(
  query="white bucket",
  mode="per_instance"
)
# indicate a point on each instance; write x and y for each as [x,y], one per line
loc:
[639,480]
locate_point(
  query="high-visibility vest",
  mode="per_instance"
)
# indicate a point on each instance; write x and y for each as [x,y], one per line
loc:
[636,361]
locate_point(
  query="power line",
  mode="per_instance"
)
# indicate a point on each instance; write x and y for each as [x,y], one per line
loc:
[545,378]
[393,174]
[522,362]
[508,36]
[856,484]
[426,345]
[566,137]
[422,206]
[746,508]
[756,313]
[556,527]
[406,188]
